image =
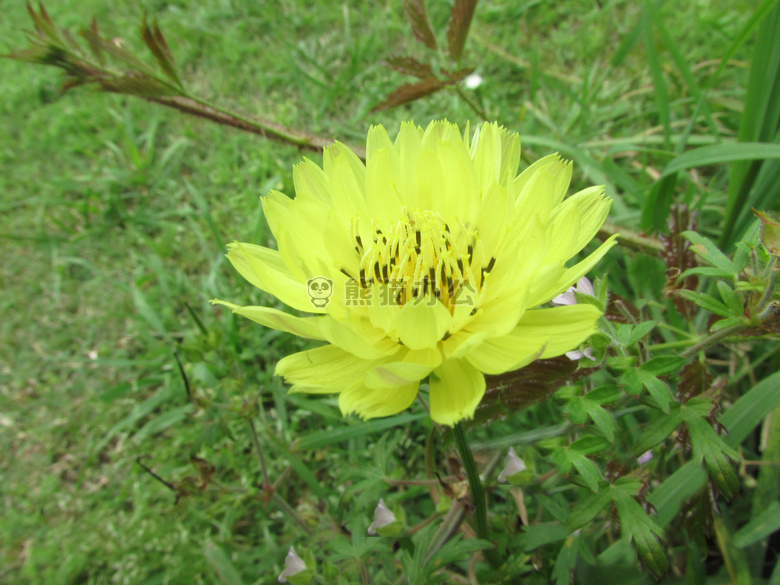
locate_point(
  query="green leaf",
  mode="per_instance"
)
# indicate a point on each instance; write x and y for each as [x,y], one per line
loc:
[658,431]
[707,445]
[602,419]
[664,364]
[656,388]
[589,445]
[343,433]
[729,297]
[707,249]
[645,533]
[705,302]
[540,534]
[640,331]
[750,409]
[726,323]
[721,153]
[165,421]
[220,563]
[605,394]
[760,527]
[587,509]
[565,562]
[586,468]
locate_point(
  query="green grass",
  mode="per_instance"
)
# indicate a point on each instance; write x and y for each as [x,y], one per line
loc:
[115,213]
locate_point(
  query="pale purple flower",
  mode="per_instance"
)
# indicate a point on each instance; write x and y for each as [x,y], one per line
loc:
[644,457]
[568,298]
[292,566]
[382,517]
[513,465]
[577,354]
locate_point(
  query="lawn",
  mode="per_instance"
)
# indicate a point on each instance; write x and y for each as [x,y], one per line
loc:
[140,425]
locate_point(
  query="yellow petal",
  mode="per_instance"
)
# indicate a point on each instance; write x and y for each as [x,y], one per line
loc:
[486,152]
[541,333]
[346,180]
[542,186]
[456,387]
[265,269]
[510,157]
[550,287]
[560,328]
[414,366]
[492,219]
[308,327]
[421,323]
[458,194]
[384,200]
[310,180]
[375,402]
[358,337]
[592,208]
[326,366]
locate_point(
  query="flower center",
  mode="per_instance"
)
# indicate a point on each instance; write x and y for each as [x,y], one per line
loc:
[424,255]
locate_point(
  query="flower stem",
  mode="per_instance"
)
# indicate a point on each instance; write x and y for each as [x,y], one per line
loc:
[477,490]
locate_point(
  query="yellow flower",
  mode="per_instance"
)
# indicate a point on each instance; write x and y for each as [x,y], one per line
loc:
[431,260]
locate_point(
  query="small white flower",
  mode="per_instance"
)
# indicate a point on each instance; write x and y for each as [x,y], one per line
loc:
[644,457]
[382,517]
[513,465]
[473,81]
[568,298]
[292,566]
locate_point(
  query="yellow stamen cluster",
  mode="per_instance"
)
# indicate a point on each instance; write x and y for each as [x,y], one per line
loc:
[422,255]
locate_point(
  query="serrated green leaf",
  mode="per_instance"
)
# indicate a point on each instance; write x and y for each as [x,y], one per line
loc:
[657,389]
[658,431]
[586,468]
[540,534]
[726,323]
[705,302]
[587,509]
[706,271]
[640,331]
[707,249]
[605,394]
[717,456]
[729,297]
[664,364]
[644,532]
[602,419]
[589,445]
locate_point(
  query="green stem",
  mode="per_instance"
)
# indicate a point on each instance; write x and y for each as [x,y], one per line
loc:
[711,340]
[477,490]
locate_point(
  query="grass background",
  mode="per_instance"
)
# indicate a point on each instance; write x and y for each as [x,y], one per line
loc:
[113,220]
